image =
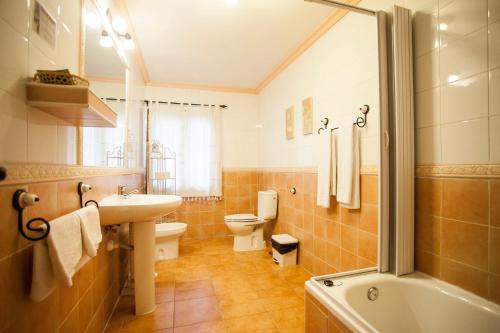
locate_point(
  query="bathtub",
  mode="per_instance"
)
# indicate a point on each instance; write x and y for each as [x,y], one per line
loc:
[415,303]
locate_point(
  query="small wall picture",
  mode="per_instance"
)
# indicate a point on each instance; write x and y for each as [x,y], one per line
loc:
[307,116]
[289,123]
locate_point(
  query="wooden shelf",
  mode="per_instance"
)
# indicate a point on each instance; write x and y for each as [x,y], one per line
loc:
[77,105]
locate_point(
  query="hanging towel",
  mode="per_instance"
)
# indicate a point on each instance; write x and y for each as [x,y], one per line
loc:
[327,175]
[91,229]
[43,281]
[348,167]
[57,257]
[65,247]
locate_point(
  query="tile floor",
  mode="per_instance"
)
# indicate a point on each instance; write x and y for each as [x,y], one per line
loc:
[210,288]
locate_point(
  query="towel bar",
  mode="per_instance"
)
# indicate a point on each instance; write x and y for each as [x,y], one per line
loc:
[82,188]
[20,200]
[360,121]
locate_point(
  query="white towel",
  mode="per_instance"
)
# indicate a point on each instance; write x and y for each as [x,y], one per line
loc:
[57,257]
[327,175]
[348,167]
[65,247]
[43,281]
[91,229]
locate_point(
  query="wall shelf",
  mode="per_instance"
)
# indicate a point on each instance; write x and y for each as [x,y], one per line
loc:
[77,105]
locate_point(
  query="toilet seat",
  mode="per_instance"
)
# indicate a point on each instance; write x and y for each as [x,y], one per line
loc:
[241,218]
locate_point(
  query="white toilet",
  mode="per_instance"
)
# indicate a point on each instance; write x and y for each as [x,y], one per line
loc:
[248,229]
[167,239]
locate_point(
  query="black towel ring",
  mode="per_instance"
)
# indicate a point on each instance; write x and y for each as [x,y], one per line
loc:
[20,225]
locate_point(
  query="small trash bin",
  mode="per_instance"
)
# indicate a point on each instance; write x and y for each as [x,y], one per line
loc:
[284,249]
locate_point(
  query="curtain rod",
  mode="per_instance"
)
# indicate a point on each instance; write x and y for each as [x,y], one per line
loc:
[346,6]
[162,102]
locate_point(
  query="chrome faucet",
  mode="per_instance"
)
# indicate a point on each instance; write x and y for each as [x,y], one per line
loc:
[122,191]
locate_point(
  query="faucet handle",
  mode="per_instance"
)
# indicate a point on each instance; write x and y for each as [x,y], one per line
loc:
[121,189]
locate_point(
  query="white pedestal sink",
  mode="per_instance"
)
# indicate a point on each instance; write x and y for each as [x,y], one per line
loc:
[140,210]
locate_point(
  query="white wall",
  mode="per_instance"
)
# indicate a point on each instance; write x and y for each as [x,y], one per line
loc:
[27,134]
[340,73]
[239,132]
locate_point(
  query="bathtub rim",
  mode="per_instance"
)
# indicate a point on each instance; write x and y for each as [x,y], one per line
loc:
[347,316]
[350,317]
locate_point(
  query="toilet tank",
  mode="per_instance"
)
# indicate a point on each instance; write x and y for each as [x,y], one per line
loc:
[267,204]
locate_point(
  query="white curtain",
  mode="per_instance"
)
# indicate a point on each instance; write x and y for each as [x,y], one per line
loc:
[193,133]
[98,141]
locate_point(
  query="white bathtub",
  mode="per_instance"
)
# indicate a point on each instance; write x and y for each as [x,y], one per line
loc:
[415,303]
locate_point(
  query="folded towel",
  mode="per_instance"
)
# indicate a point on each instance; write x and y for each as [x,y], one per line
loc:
[326,171]
[91,229]
[65,247]
[348,167]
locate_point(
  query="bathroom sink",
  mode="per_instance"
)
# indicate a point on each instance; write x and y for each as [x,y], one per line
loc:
[143,208]
[116,209]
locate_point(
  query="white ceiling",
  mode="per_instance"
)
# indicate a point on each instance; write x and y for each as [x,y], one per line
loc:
[216,43]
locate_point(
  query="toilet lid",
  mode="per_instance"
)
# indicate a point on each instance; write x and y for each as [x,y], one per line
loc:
[241,218]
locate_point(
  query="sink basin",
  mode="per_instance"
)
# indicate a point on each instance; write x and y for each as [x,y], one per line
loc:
[143,208]
[116,209]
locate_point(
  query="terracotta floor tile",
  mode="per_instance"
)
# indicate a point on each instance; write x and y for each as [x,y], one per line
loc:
[196,311]
[211,289]
[208,327]
[255,323]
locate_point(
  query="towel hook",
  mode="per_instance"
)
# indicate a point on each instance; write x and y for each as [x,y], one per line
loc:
[82,188]
[20,200]
[325,122]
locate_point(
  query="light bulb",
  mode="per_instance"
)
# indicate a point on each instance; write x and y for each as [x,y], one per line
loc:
[105,39]
[119,25]
[128,43]
[93,21]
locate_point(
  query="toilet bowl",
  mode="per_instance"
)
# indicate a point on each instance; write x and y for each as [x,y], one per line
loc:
[248,229]
[167,239]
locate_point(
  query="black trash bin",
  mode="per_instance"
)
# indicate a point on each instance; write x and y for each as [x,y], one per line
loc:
[284,249]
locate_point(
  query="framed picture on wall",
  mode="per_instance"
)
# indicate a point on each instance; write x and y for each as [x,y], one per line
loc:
[307,116]
[289,123]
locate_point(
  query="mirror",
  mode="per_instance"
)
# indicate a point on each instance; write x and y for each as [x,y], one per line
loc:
[106,71]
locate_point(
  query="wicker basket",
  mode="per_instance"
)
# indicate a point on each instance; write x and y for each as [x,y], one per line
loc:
[63,77]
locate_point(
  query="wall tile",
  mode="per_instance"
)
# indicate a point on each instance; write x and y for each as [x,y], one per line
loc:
[465,142]
[460,18]
[493,11]
[13,60]
[425,33]
[428,263]
[16,14]
[426,71]
[473,47]
[494,92]
[428,145]
[465,99]
[465,242]
[494,45]
[13,124]
[494,251]
[495,139]
[42,137]
[427,108]
[465,277]
[429,193]
[466,200]
[428,233]
[495,203]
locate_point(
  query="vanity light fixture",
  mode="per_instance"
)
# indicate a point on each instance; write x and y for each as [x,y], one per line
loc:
[105,40]
[92,21]
[120,28]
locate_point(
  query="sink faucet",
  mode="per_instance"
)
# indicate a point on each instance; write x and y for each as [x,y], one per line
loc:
[122,191]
